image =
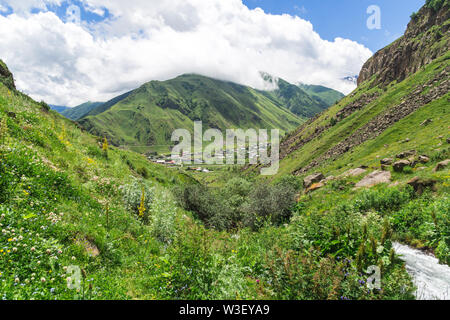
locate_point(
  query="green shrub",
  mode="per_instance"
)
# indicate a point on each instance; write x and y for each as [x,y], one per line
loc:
[132,197]
[143,172]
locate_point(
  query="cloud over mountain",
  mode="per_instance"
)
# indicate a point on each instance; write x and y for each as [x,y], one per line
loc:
[141,40]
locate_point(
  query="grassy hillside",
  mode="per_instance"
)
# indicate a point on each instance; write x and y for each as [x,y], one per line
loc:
[62,203]
[69,200]
[149,115]
[80,111]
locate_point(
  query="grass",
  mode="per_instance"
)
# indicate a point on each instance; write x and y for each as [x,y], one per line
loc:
[63,205]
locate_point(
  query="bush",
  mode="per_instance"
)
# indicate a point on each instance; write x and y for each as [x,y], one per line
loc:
[436,4]
[143,172]
[44,106]
[236,205]
[162,220]
[132,198]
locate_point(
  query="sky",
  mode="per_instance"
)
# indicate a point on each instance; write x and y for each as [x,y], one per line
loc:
[67,52]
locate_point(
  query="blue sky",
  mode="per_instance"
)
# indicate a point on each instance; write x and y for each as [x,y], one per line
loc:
[347,18]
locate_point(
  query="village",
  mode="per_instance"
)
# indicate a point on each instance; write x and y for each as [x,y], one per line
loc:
[186,160]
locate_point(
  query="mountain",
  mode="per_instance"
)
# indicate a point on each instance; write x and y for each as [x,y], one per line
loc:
[326,96]
[400,87]
[58,109]
[80,111]
[303,100]
[148,115]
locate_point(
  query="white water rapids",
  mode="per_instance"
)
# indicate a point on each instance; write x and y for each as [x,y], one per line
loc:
[431,278]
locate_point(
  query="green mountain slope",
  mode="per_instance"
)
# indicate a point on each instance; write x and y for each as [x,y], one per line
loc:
[384,99]
[326,96]
[148,115]
[80,111]
[303,100]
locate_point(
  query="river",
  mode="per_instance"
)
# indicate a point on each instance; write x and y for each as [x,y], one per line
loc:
[431,278]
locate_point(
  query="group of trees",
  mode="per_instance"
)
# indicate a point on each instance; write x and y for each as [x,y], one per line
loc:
[240,203]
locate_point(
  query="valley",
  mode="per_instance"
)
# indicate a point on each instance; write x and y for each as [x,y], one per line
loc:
[363,185]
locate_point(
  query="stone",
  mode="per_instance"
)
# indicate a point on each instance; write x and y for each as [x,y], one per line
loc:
[315,186]
[400,165]
[448,140]
[424,159]
[406,154]
[353,172]
[387,161]
[426,122]
[442,165]
[420,184]
[314,178]
[374,178]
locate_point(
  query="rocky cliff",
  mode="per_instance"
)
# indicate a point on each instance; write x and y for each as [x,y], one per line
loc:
[6,76]
[426,38]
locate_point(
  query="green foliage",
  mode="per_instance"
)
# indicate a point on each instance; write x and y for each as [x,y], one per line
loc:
[240,204]
[436,5]
[44,106]
[142,171]
[137,195]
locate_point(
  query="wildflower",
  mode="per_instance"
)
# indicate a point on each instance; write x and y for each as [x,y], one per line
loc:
[14,249]
[43,280]
[17,280]
[33,249]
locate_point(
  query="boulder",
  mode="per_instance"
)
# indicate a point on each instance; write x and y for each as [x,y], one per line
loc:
[315,186]
[406,154]
[314,178]
[374,178]
[387,161]
[420,184]
[442,165]
[400,165]
[424,159]
[353,172]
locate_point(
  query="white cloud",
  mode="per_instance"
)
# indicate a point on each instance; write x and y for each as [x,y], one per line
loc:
[143,40]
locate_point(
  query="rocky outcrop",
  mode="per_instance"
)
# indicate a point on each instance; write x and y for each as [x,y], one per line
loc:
[314,178]
[6,76]
[400,165]
[442,165]
[414,50]
[420,184]
[374,178]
